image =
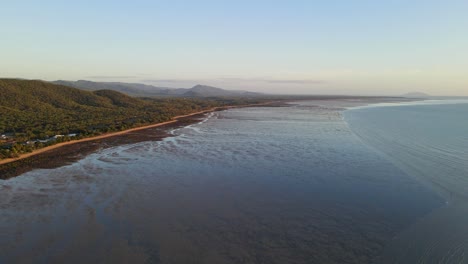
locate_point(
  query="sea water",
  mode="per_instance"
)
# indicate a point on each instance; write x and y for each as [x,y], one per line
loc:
[429,141]
[252,185]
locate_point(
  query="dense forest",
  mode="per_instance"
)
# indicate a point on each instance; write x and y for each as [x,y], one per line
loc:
[32,113]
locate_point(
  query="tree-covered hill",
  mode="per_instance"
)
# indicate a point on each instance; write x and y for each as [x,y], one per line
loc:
[32,110]
[37,95]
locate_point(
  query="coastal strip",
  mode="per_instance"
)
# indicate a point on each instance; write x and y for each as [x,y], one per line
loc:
[123,132]
[112,134]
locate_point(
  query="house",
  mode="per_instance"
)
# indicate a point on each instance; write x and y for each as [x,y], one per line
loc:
[8,145]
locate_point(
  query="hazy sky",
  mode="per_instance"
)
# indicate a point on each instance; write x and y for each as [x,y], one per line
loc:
[327,47]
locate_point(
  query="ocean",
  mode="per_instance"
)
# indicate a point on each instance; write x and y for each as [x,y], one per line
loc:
[429,141]
[309,183]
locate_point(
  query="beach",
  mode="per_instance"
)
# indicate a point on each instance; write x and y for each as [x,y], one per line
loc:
[56,154]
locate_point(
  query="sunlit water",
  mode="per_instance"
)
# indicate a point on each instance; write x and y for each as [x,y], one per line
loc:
[252,185]
[429,141]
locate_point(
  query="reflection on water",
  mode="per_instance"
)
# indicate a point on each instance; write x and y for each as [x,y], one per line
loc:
[429,141]
[253,185]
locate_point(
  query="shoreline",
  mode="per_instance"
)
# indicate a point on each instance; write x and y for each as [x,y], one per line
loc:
[123,132]
[111,134]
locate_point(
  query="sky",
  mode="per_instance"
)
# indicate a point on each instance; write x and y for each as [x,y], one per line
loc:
[297,46]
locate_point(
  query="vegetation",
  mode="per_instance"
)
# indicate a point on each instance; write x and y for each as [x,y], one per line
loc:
[33,112]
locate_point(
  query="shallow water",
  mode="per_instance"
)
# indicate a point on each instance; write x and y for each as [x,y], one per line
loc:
[252,185]
[429,141]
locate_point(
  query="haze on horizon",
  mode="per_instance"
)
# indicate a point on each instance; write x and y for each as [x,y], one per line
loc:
[301,47]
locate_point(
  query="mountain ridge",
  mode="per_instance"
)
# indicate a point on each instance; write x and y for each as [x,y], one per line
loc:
[145,90]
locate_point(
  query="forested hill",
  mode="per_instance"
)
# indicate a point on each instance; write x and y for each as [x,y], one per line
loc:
[36,111]
[41,96]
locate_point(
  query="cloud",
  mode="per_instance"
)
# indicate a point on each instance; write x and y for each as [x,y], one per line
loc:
[275,81]
[164,80]
[225,80]
[296,81]
[111,77]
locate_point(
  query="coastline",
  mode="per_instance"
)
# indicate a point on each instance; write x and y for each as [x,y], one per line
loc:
[65,153]
[112,134]
[104,178]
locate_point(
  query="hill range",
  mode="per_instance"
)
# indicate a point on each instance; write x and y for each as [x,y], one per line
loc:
[144,90]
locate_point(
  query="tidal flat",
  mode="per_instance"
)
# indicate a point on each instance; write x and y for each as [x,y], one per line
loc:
[251,185]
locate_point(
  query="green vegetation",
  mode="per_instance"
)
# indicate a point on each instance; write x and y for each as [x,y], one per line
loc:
[37,110]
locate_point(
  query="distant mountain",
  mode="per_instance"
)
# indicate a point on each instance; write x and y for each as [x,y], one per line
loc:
[133,89]
[203,90]
[209,91]
[144,90]
[416,95]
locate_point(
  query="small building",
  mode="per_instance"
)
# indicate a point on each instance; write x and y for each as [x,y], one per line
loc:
[8,144]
